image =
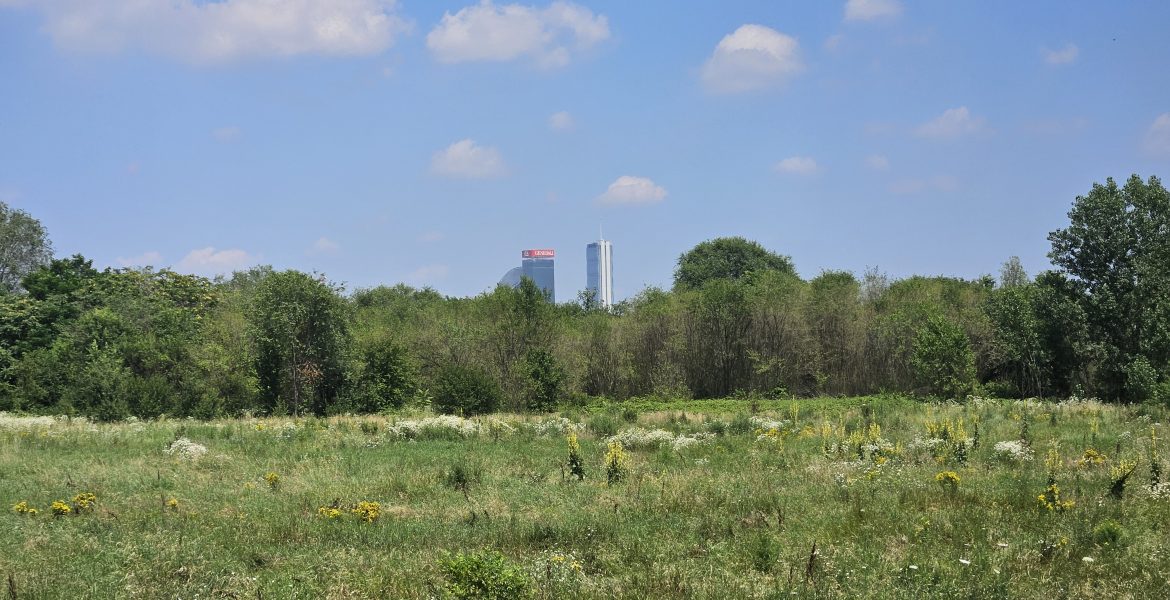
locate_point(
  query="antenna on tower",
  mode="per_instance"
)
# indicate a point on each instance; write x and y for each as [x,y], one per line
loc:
[600,234]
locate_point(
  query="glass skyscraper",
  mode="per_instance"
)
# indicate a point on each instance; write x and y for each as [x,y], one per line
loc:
[599,271]
[538,266]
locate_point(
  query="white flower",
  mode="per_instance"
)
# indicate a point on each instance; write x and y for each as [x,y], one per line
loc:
[964,561]
[1088,559]
[1013,450]
[186,449]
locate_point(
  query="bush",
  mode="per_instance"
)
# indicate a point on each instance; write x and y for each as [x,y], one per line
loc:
[388,378]
[943,360]
[545,380]
[603,425]
[485,574]
[467,391]
[1109,534]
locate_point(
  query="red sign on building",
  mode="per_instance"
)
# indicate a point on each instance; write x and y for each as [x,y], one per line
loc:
[545,253]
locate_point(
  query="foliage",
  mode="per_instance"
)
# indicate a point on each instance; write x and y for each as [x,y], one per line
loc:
[466,391]
[726,258]
[301,332]
[24,246]
[943,359]
[545,380]
[485,574]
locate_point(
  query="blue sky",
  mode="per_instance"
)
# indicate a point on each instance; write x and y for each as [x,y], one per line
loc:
[381,142]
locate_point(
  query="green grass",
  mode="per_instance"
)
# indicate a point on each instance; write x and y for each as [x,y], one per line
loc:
[727,517]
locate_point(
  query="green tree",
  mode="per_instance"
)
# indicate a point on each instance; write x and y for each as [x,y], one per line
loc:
[943,360]
[726,258]
[1116,252]
[546,380]
[387,377]
[466,390]
[1012,273]
[300,331]
[24,246]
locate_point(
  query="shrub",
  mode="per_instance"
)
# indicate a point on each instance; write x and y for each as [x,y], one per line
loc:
[943,361]
[486,574]
[603,425]
[388,378]
[545,380]
[466,390]
[1109,534]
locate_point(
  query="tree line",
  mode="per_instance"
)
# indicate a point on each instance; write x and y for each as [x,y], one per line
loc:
[738,321]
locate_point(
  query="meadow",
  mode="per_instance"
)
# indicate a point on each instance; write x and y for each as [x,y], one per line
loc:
[880,496]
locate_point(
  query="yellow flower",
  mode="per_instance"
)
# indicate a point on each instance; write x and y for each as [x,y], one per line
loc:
[273,479]
[173,504]
[84,501]
[329,512]
[367,511]
[59,508]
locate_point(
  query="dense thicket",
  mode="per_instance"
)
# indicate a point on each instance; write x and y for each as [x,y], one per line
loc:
[739,320]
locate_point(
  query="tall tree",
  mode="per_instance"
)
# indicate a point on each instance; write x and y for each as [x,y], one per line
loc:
[726,258]
[1116,250]
[24,246]
[301,332]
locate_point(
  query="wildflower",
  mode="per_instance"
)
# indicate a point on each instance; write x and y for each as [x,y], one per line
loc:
[1013,451]
[964,561]
[84,501]
[260,427]
[1088,559]
[576,463]
[173,504]
[367,511]
[1091,458]
[329,512]
[949,480]
[24,508]
[615,462]
[273,479]
[60,509]
[186,449]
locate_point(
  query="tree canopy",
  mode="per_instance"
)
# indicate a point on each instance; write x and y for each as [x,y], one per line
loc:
[726,258]
[24,246]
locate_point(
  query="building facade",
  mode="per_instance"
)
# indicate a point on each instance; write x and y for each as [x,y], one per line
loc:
[538,265]
[599,271]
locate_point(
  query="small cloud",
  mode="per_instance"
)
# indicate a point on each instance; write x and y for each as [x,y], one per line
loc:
[428,274]
[750,58]
[487,32]
[833,42]
[953,123]
[940,183]
[146,259]
[797,165]
[869,10]
[1158,135]
[1064,56]
[628,189]
[561,121]
[877,162]
[431,237]
[467,160]
[209,261]
[324,247]
[226,134]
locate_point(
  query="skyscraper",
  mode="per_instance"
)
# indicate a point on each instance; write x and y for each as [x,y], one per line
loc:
[538,266]
[599,271]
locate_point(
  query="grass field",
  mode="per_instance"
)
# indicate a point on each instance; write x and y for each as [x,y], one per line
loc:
[898,498]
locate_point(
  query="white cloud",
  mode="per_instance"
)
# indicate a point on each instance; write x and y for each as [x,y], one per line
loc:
[797,165]
[833,42]
[750,58]
[939,183]
[209,261]
[227,134]
[561,121]
[1064,56]
[489,32]
[868,10]
[428,274]
[877,162]
[146,259]
[953,123]
[324,247]
[467,160]
[215,32]
[1158,135]
[628,189]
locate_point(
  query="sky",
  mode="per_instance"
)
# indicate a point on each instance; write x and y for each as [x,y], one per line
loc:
[380,142]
